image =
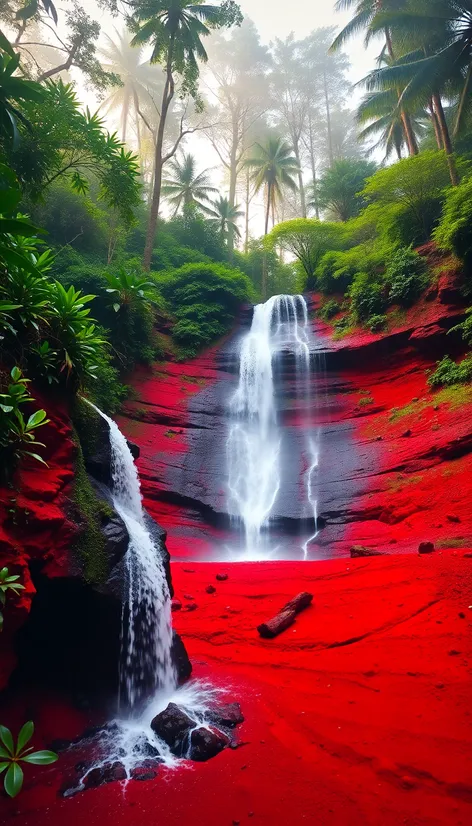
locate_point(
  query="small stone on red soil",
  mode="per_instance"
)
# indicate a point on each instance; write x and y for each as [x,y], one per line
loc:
[426,548]
[191,606]
[453,653]
[461,615]
[222,577]
[406,433]
[176,605]
[188,596]
[452,518]
[210,589]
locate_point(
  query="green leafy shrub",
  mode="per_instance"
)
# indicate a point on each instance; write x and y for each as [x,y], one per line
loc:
[449,372]
[12,755]
[454,232]
[367,297]
[207,298]
[377,323]
[406,277]
[18,433]
[329,309]
[308,240]
[415,189]
[8,582]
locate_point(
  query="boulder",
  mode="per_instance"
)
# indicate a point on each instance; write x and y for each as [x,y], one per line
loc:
[206,743]
[173,727]
[222,577]
[106,773]
[228,715]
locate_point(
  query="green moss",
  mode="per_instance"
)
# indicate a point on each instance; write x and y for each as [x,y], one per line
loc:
[455,396]
[88,426]
[365,401]
[457,542]
[90,545]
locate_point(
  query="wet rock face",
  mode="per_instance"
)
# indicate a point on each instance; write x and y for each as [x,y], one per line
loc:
[173,727]
[206,743]
[186,738]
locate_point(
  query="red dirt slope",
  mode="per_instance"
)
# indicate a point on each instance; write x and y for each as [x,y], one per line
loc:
[359,715]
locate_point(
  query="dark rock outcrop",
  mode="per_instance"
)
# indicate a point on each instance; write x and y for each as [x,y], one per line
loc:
[206,743]
[173,726]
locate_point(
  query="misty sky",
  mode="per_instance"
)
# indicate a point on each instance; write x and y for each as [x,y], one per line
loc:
[277,18]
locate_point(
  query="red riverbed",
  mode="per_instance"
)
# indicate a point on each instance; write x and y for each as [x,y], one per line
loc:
[358,714]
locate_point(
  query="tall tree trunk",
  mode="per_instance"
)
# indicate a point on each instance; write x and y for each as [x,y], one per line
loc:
[233,180]
[124,119]
[446,138]
[409,133]
[248,192]
[266,230]
[410,136]
[313,172]
[300,178]
[435,122]
[463,101]
[328,119]
[167,96]
[138,124]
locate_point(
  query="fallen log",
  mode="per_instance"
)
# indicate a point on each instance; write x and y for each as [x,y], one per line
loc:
[286,616]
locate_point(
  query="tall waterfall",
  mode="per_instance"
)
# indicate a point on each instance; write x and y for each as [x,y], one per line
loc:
[146,662]
[254,440]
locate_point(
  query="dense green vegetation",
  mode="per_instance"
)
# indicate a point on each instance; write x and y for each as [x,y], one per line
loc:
[95,278]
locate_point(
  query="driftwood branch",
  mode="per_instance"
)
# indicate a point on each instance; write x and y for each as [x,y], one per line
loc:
[286,616]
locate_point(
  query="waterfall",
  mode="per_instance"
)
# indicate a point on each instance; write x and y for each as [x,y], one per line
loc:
[146,661]
[254,439]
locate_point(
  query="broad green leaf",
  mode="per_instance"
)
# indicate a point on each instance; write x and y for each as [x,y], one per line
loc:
[25,735]
[6,45]
[13,780]
[37,418]
[3,766]
[41,758]
[7,739]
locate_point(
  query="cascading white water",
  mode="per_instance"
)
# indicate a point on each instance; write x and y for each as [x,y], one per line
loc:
[146,666]
[254,440]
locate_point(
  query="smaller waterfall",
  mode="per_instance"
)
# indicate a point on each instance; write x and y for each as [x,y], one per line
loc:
[254,440]
[146,663]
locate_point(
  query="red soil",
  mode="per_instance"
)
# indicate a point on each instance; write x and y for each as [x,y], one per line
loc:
[359,714]
[33,525]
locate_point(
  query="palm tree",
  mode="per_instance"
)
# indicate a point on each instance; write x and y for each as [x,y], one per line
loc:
[365,15]
[226,217]
[140,82]
[338,190]
[442,32]
[185,187]
[175,29]
[273,167]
